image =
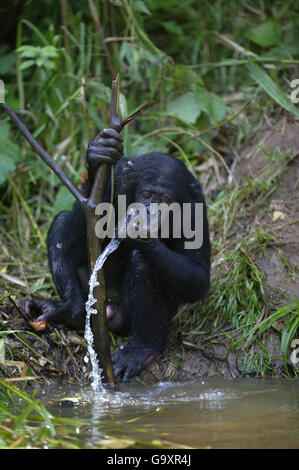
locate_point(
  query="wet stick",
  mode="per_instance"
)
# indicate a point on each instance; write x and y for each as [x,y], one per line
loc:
[99,321]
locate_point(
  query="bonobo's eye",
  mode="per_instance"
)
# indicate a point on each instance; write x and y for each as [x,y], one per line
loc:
[147,194]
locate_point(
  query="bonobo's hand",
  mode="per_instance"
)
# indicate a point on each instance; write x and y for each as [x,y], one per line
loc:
[133,358]
[105,148]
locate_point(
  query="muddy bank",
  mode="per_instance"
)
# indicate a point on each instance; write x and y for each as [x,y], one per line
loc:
[282,216]
[60,354]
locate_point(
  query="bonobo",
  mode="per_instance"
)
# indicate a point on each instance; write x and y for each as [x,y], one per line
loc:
[147,278]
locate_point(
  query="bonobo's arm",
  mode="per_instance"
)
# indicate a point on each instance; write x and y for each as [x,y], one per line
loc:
[105,148]
[185,272]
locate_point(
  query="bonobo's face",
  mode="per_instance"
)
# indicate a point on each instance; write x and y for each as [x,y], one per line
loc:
[145,214]
[155,180]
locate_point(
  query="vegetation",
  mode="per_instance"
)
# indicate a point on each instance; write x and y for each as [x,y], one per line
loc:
[218,71]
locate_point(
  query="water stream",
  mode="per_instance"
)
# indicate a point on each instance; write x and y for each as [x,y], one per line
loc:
[96,371]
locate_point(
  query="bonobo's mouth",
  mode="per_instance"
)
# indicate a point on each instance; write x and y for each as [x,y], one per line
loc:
[141,223]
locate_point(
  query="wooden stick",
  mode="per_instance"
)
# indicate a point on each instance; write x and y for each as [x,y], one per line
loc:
[134,115]
[99,321]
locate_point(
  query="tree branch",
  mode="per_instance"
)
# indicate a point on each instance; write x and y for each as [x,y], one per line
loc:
[44,155]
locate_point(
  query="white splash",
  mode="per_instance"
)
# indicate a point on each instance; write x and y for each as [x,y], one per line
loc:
[96,371]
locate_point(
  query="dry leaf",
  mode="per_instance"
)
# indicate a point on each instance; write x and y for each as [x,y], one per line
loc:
[278,215]
[38,325]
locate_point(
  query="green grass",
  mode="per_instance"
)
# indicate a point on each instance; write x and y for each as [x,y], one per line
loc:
[238,308]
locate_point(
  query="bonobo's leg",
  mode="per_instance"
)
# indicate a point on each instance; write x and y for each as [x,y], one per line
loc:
[118,311]
[150,312]
[67,254]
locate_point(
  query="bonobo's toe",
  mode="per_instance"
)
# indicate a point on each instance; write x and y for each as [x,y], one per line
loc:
[44,308]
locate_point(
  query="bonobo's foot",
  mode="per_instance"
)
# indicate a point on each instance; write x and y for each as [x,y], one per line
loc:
[132,359]
[53,311]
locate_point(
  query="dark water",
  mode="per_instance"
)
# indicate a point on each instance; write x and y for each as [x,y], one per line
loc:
[217,413]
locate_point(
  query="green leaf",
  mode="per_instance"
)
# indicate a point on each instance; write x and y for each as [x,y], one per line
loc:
[7,62]
[139,5]
[185,108]
[266,34]
[271,88]
[186,77]
[48,64]
[28,52]
[173,28]
[28,63]
[40,62]
[50,51]
[63,201]
[212,105]
[7,166]
[10,153]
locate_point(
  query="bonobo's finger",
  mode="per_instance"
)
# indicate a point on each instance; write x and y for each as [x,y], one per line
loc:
[94,160]
[96,151]
[111,143]
[109,132]
[32,306]
[118,370]
[130,372]
[101,146]
[94,157]
[27,308]
[110,151]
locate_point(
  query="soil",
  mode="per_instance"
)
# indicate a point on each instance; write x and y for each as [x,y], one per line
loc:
[60,354]
[284,204]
